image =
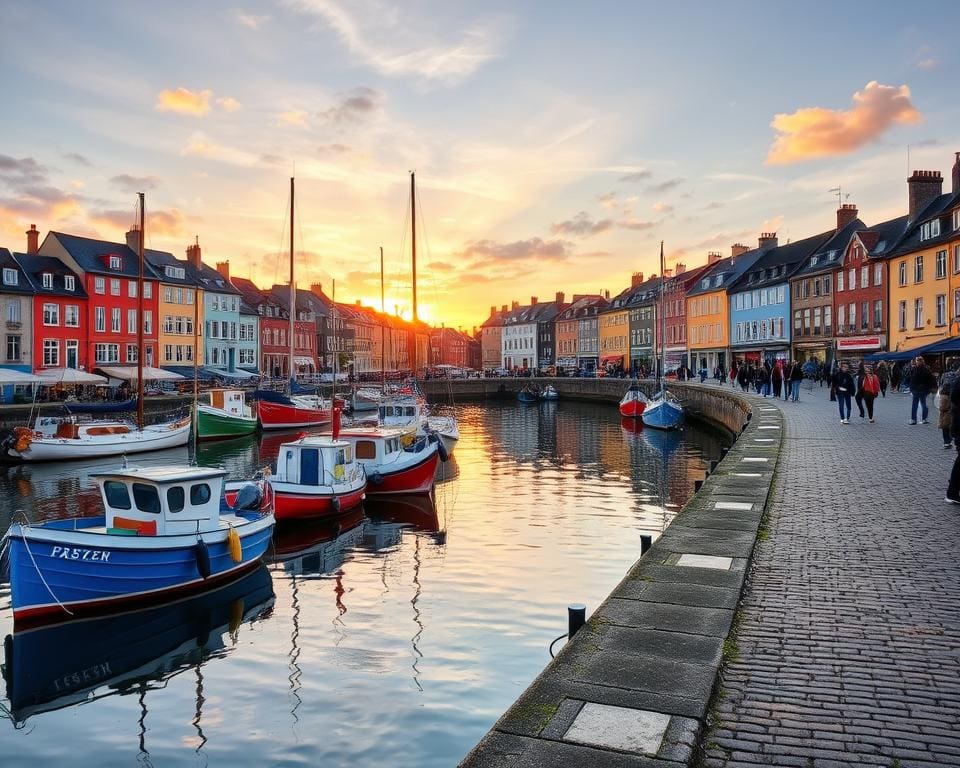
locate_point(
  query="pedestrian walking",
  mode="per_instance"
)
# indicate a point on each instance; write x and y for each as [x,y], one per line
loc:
[776,378]
[858,398]
[743,377]
[945,420]
[921,384]
[868,388]
[953,487]
[883,374]
[843,384]
[796,376]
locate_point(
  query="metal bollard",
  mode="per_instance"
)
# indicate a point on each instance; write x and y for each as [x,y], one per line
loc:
[576,618]
[697,485]
[645,543]
[724,452]
[713,465]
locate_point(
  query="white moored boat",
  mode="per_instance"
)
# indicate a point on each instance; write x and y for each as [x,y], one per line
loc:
[410,413]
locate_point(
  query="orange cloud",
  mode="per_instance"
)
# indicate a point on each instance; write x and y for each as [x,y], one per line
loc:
[184,101]
[820,132]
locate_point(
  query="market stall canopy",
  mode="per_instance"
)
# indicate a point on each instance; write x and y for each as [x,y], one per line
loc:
[129,373]
[69,376]
[225,374]
[943,346]
[10,376]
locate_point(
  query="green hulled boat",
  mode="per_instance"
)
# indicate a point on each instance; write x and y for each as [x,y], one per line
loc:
[227,416]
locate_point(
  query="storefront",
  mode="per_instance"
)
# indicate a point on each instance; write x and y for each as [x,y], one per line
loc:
[821,351]
[567,363]
[711,359]
[612,363]
[587,363]
[853,348]
[641,360]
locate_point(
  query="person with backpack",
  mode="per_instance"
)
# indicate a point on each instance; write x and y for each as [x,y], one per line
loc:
[868,390]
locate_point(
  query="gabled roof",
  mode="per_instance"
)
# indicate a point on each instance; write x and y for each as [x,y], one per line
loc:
[213,282]
[582,307]
[496,319]
[160,260]
[881,239]
[91,255]
[23,285]
[252,295]
[829,256]
[937,209]
[725,272]
[778,263]
[35,266]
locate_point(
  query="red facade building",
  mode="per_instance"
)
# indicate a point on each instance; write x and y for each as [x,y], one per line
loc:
[59,313]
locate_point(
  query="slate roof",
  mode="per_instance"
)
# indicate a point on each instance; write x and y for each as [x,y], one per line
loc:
[830,255]
[23,287]
[213,282]
[939,208]
[881,239]
[253,296]
[159,260]
[34,266]
[777,264]
[728,271]
[91,255]
[583,307]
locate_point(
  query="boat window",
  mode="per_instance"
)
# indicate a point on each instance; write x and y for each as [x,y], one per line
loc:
[175,498]
[200,493]
[383,411]
[409,411]
[116,494]
[341,457]
[366,449]
[146,498]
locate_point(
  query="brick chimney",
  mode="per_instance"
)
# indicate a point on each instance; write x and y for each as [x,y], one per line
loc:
[493,310]
[223,267]
[767,240]
[514,306]
[737,249]
[668,273]
[636,279]
[681,268]
[193,254]
[606,295]
[33,239]
[533,301]
[133,239]
[714,256]
[845,214]
[956,173]
[923,187]
[559,297]
[503,308]
[317,290]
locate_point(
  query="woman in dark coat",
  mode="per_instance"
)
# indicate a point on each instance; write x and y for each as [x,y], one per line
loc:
[953,487]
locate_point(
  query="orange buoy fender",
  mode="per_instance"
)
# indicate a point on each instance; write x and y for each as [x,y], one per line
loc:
[233,544]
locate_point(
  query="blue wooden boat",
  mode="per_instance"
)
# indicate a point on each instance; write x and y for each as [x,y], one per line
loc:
[75,662]
[118,406]
[166,531]
[662,412]
[527,395]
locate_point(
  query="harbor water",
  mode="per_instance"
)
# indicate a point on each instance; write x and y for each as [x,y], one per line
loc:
[395,637]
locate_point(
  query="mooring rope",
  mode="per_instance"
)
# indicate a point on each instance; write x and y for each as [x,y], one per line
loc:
[26,524]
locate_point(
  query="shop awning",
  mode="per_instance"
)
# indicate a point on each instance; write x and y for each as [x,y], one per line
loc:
[607,359]
[129,373]
[303,361]
[940,347]
[235,374]
[69,376]
[10,376]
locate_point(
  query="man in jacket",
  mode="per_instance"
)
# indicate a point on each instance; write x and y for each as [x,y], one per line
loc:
[922,382]
[796,376]
[953,488]
[843,384]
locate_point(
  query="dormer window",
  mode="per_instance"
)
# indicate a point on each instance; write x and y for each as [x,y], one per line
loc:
[717,281]
[705,284]
[69,282]
[813,260]
[11,276]
[47,278]
[176,273]
[116,263]
[930,229]
[956,220]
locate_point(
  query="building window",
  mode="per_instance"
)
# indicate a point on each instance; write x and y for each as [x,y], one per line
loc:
[99,285]
[51,352]
[865,315]
[116,262]
[956,220]
[930,229]
[148,290]
[797,322]
[47,280]
[841,310]
[100,319]
[918,269]
[826,284]
[114,287]
[853,280]
[133,353]
[903,273]
[903,316]
[840,281]
[827,320]
[189,293]
[168,294]
[853,318]
[13,349]
[817,318]
[956,259]
[878,274]
[918,313]
[107,353]
[941,309]
[115,320]
[69,282]
[51,314]
[10,277]
[941,264]
[131,321]
[71,316]
[864,276]
[148,321]
[878,314]
[816,287]
[13,311]
[956,304]
[132,289]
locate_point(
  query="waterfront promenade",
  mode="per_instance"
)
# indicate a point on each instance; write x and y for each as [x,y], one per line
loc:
[846,648]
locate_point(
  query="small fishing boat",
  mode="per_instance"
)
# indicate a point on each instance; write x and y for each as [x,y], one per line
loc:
[410,412]
[105,406]
[527,395]
[366,399]
[165,531]
[663,411]
[73,663]
[226,416]
[390,466]
[279,411]
[69,439]
[633,402]
[317,476]
[549,393]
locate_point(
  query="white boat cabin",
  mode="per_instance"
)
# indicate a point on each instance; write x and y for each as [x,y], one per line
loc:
[161,500]
[316,461]
[229,400]
[376,446]
[70,428]
[400,412]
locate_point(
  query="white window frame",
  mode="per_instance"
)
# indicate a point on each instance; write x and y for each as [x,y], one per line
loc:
[941,317]
[115,320]
[902,315]
[99,285]
[114,286]
[100,319]
[47,279]
[918,313]
[69,283]
[131,289]
[878,274]
[71,315]
[11,276]
[918,269]
[51,314]
[941,264]
[131,321]
[51,353]
[116,262]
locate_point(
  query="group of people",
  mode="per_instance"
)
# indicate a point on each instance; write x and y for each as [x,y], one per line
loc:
[769,379]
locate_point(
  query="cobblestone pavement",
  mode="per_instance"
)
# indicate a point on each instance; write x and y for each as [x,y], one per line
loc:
[848,644]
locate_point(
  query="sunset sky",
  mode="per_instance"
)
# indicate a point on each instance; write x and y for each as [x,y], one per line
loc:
[555,144]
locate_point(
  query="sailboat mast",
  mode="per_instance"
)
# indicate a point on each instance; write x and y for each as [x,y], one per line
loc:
[383,322]
[140,316]
[413,240]
[293,292]
[336,354]
[663,325]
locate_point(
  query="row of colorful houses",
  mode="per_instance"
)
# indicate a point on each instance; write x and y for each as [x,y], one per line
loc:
[853,289]
[74,302]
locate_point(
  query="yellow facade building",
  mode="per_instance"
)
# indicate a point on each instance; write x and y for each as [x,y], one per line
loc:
[613,332]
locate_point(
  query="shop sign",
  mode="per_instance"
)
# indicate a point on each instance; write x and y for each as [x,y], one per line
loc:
[859,342]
